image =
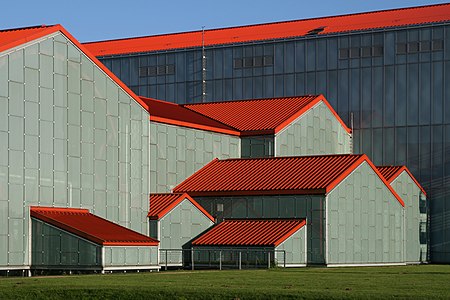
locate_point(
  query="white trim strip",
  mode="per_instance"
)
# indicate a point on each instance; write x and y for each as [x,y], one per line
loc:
[118,268]
[366,265]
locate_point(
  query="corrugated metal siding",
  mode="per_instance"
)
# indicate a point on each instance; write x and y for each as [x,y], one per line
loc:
[84,224]
[334,24]
[300,175]
[249,233]
[316,132]
[365,222]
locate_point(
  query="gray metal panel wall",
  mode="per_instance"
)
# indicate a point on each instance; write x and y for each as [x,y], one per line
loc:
[130,256]
[70,137]
[272,207]
[294,249]
[365,221]
[400,101]
[181,225]
[410,193]
[177,152]
[315,132]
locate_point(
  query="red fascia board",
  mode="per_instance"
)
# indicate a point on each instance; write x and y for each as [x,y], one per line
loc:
[356,164]
[255,193]
[288,234]
[405,169]
[310,105]
[102,66]
[192,125]
[175,203]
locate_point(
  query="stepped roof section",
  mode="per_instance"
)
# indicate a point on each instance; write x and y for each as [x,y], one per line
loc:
[162,204]
[302,175]
[12,38]
[241,117]
[390,173]
[82,223]
[384,19]
[250,233]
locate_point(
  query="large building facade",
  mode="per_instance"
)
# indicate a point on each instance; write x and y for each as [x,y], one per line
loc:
[384,72]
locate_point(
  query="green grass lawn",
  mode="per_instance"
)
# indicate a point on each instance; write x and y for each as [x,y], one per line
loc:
[421,282]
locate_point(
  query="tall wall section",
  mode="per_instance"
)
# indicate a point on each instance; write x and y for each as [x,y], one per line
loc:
[410,193]
[177,152]
[70,137]
[364,221]
[314,133]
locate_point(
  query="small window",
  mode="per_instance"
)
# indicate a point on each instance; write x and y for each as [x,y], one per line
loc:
[219,206]
[248,62]
[268,61]
[258,61]
[423,233]
[237,63]
[343,53]
[437,45]
[413,47]
[161,70]
[425,46]
[401,48]
[143,72]
[377,51]
[151,71]
[354,52]
[366,52]
[170,69]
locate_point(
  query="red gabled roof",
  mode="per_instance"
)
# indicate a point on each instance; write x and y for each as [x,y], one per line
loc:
[171,113]
[250,232]
[278,30]
[161,204]
[261,116]
[275,176]
[11,38]
[82,223]
[392,172]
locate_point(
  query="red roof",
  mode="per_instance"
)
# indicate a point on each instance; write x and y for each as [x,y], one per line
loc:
[392,172]
[250,232]
[261,116]
[171,113]
[11,38]
[278,30]
[82,223]
[161,204]
[274,176]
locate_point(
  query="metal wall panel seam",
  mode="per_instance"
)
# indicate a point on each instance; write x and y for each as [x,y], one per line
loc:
[30,43]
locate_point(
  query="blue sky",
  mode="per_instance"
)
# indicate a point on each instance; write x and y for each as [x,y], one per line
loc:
[99,19]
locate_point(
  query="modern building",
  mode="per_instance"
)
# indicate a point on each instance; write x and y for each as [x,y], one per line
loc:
[384,72]
[414,196]
[175,220]
[72,136]
[353,216]
[184,138]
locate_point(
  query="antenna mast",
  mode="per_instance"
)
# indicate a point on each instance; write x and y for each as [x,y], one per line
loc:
[203,66]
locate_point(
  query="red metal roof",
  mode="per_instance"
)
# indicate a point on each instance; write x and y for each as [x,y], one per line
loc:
[392,172]
[11,38]
[91,227]
[261,116]
[161,204]
[274,176]
[171,113]
[278,30]
[250,232]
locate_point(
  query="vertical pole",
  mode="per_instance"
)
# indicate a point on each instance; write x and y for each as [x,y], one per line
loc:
[220,260]
[192,258]
[166,259]
[284,259]
[240,260]
[268,259]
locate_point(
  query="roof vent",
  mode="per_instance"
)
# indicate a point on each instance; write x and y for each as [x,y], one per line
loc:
[316,30]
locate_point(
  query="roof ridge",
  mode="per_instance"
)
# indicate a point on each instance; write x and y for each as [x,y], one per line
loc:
[28,27]
[271,23]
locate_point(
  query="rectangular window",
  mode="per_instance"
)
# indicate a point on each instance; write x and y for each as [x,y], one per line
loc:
[268,60]
[366,52]
[437,45]
[413,47]
[377,51]
[425,46]
[258,61]
[354,52]
[237,63]
[343,53]
[401,48]
[143,72]
[248,62]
